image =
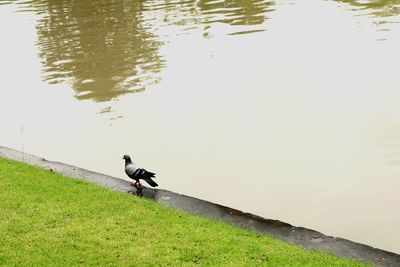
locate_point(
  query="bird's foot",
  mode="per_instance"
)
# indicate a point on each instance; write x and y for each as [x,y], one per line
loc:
[140,186]
[139,190]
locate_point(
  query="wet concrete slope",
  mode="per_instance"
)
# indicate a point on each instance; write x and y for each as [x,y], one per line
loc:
[302,236]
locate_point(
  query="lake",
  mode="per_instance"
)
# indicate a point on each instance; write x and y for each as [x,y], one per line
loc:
[286,109]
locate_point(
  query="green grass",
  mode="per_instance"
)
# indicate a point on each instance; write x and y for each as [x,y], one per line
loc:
[47,219]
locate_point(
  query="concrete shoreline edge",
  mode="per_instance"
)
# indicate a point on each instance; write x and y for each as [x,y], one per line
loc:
[304,237]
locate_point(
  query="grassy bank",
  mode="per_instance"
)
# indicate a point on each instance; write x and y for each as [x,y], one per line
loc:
[48,219]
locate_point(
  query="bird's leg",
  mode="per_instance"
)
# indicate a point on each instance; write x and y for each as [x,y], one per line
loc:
[139,189]
[139,186]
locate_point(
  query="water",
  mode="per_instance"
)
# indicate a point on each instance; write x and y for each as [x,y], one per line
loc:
[286,109]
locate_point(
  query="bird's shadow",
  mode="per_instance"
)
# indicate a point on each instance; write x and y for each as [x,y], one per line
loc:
[144,192]
[137,191]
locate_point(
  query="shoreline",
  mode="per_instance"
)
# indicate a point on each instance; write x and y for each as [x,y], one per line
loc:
[304,237]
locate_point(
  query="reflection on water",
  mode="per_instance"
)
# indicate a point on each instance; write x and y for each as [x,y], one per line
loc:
[207,12]
[103,48]
[3,2]
[379,8]
[234,12]
[383,11]
[107,49]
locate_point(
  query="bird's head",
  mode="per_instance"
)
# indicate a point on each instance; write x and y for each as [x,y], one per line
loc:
[126,158]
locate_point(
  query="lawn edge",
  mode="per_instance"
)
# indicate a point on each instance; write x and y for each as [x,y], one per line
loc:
[304,237]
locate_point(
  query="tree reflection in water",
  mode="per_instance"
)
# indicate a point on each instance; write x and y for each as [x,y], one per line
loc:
[109,48]
[103,48]
[381,10]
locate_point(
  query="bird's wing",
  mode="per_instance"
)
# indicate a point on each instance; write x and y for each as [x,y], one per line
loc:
[130,169]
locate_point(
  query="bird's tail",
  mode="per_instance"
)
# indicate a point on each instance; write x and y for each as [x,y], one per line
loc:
[147,177]
[150,181]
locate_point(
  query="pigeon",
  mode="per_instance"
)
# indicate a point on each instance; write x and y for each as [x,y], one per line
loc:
[136,173]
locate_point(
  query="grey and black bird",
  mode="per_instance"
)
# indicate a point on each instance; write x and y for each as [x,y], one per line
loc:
[137,173]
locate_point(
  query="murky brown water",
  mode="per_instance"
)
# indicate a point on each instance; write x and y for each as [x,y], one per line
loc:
[287,109]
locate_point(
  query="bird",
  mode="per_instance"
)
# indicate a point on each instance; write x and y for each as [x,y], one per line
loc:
[136,173]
